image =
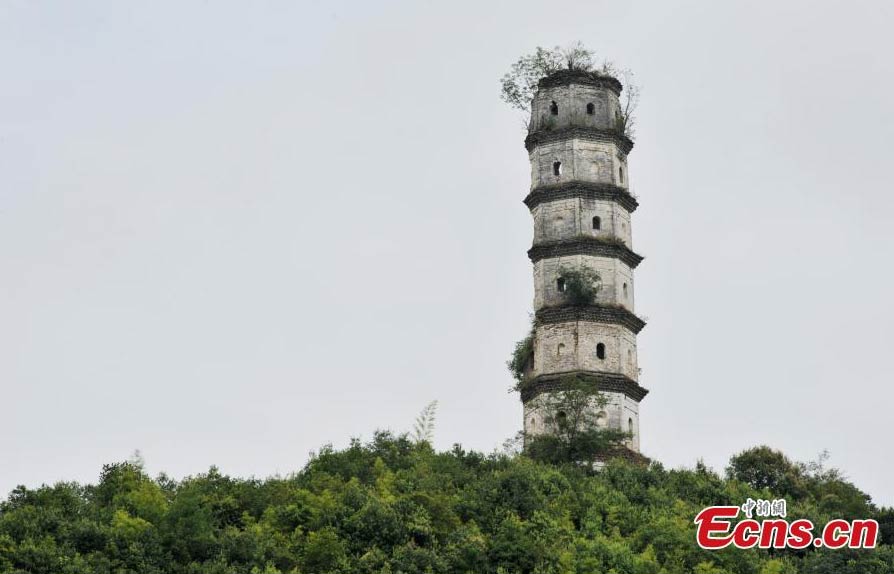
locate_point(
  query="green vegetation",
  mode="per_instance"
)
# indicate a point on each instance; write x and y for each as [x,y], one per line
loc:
[424,429]
[576,434]
[572,414]
[519,84]
[395,505]
[522,355]
[582,284]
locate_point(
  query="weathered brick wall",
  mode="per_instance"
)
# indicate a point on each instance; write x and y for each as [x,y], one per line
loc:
[572,346]
[568,218]
[572,102]
[580,160]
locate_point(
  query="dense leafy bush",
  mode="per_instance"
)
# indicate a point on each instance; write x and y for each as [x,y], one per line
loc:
[521,357]
[582,284]
[395,505]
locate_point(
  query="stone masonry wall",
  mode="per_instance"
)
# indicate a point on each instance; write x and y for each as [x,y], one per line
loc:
[579,160]
[572,102]
[565,347]
[573,217]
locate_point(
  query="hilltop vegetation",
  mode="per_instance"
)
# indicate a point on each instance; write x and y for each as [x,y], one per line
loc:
[519,85]
[395,505]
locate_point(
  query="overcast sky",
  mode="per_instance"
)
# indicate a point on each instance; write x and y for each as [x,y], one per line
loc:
[233,232]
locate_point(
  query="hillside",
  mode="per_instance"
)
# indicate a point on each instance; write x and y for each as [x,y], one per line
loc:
[392,505]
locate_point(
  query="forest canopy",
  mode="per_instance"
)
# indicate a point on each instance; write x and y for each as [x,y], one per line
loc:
[395,505]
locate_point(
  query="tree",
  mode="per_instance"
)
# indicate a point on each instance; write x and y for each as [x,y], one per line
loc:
[762,467]
[324,552]
[519,84]
[626,121]
[577,57]
[574,434]
[390,505]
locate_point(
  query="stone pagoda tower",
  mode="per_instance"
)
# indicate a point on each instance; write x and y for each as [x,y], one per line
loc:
[581,206]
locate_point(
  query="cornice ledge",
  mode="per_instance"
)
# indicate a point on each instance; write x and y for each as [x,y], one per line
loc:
[624,143]
[582,190]
[584,246]
[598,313]
[592,380]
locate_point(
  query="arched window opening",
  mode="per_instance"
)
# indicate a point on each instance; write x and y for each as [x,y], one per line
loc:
[554,109]
[601,418]
[597,223]
[600,351]
[560,349]
[533,421]
[630,425]
[621,174]
[560,284]
[625,290]
[591,109]
[557,168]
[561,418]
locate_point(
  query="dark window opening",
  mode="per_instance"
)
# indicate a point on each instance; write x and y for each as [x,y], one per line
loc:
[625,290]
[560,284]
[591,109]
[597,223]
[554,109]
[557,168]
[561,418]
[600,351]
[621,174]
[630,424]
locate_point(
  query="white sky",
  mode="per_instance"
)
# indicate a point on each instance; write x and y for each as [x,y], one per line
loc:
[233,232]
